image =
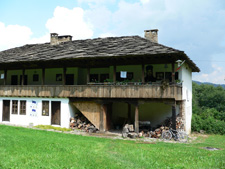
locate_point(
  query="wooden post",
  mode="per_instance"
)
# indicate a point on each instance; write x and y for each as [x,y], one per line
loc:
[43,76]
[174,116]
[129,113]
[173,73]
[23,72]
[143,73]
[103,118]
[136,122]
[88,75]
[5,77]
[114,73]
[64,76]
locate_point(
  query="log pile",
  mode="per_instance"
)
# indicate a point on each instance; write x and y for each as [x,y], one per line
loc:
[82,123]
[157,133]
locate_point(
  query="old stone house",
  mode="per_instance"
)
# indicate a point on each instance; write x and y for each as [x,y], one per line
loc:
[109,80]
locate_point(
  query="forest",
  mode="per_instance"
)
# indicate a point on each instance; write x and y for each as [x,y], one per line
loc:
[208,108]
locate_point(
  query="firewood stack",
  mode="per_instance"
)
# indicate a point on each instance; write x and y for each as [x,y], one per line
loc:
[82,123]
[157,133]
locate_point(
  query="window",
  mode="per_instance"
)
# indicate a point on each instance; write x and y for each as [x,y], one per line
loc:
[15,107]
[58,77]
[35,78]
[103,77]
[45,108]
[93,77]
[130,76]
[22,107]
[159,75]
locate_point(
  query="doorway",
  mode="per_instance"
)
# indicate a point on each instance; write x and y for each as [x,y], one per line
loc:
[6,110]
[55,112]
[14,80]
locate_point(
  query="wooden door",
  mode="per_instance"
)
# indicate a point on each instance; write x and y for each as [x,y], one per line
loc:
[55,112]
[6,110]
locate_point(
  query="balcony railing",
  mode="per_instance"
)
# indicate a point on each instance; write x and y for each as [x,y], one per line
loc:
[94,91]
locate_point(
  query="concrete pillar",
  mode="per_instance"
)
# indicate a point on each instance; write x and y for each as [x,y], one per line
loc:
[136,122]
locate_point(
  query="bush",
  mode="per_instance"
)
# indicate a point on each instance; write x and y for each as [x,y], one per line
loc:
[207,123]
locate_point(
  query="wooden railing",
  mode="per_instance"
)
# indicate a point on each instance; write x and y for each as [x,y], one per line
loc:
[94,91]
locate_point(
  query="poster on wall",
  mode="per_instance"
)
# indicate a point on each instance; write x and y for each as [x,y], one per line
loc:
[33,109]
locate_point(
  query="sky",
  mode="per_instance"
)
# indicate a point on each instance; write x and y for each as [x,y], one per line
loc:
[196,27]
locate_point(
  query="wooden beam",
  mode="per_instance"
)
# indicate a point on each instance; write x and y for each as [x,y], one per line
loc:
[5,77]
[114,73]
[143,73]
[103,118]
[174,116]
[43,76]
[64,76]
[88,75]
[129,113]
[23,73]
[173,73]
[136,122]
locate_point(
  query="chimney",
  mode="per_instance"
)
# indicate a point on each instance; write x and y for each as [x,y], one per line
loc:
[55,39]
[152,35]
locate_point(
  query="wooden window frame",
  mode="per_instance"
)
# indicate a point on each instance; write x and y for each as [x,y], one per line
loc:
[45,108]
[23,106]
[14,106]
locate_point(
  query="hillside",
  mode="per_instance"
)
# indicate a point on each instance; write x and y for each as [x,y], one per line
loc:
[213,84]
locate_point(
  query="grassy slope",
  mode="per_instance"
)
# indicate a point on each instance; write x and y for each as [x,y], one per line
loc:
[27,148]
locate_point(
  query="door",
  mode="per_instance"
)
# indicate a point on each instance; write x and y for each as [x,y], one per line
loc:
[14,80]
[6,110]
[55,112]
[69,79]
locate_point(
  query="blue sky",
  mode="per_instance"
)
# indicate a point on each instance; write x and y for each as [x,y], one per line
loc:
[195,26]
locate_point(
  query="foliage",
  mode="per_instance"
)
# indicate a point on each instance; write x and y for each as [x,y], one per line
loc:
[52,127]
[29,148]
[208,109]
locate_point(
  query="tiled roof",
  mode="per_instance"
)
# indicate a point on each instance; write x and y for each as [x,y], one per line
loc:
[99,47]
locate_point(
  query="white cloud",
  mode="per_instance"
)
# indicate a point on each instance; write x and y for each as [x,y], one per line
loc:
[70,22]
[216,76]
[64,22]
[13,35]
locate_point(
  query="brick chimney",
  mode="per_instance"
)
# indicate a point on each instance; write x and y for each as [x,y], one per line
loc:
[152,35]
[55,39]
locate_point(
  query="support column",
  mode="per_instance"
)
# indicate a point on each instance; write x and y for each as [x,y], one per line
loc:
[174,116]
[136,122]
[88,75]
[103,118]
[64,76]
[114,73]
[143,73]
[5,77]
[173,73]
[43,76]
[23,72]
[129,113]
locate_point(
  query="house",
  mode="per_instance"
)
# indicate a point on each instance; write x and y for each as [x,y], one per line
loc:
[109,80]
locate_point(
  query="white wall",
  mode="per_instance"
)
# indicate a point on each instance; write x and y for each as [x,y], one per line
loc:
[37,119]
[185,74]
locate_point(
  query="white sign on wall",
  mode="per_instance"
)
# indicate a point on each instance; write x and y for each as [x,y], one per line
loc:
[2,76]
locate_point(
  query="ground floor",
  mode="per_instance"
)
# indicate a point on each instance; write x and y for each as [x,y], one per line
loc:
[104,114]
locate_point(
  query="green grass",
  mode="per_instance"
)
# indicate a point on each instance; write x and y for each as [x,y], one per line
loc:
[29,148]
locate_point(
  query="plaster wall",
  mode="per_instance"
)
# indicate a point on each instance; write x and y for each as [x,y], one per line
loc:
[185,74]
[37,118]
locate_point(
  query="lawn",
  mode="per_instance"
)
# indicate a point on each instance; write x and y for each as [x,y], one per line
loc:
[29,148]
